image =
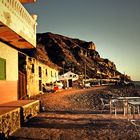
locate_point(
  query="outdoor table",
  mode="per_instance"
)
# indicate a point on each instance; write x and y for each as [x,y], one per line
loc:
[112,101]
[124,100]
[134,104]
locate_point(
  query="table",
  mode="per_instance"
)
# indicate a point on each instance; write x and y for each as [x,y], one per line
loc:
[124,101]
[134,104]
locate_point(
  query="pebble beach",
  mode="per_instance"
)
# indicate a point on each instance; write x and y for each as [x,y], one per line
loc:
[75,114]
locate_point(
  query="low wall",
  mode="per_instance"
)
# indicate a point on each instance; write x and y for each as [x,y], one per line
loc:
[9,120]
[14,114]
[30,110]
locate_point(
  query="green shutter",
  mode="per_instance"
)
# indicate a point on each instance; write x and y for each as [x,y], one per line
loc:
[2,69]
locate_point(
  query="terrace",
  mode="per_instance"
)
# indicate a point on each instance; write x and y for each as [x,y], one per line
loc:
[17,26]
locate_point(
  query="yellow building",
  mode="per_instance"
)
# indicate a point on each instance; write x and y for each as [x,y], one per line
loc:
[38,74]
[17,31]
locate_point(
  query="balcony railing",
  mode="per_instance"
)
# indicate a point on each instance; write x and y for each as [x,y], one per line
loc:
[26,1]
[14,18]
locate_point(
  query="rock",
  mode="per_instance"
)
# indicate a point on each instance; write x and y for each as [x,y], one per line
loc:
[72,54]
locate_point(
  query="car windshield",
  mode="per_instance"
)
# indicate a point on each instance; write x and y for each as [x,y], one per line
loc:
[49,84]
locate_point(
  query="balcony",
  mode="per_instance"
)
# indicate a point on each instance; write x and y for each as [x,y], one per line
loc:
[27,1]
[17,26]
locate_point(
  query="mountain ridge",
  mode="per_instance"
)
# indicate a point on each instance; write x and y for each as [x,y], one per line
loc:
[70,54]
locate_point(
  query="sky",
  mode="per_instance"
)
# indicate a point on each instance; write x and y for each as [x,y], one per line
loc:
[113,25]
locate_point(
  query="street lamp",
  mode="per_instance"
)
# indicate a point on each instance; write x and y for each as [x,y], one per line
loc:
[63,63]
[85,71]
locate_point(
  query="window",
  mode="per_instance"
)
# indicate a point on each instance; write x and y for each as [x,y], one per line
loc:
[40,72]
[40,85]
[2,69]
[46,72]
[30,59]
[33,68]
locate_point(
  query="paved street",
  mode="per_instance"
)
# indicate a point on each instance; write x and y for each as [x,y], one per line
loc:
[68,116]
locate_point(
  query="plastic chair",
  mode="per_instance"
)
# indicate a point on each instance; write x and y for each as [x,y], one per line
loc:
[136,124]
[104,103]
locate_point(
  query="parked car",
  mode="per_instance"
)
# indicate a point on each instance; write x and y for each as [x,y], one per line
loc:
[58,85]
[87,85]
[49,87]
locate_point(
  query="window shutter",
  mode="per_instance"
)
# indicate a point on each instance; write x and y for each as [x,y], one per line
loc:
[2,69]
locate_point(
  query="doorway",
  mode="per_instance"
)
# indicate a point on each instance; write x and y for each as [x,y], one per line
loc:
[22,78]
[70,82]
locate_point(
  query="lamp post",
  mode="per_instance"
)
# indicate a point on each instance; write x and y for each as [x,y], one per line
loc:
[85,71]
[63,63]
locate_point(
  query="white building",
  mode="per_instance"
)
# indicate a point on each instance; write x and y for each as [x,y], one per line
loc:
[69,77]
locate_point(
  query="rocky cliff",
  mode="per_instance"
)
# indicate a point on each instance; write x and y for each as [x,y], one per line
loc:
[76,55]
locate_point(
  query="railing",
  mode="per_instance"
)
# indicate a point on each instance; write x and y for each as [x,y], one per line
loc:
[18,10]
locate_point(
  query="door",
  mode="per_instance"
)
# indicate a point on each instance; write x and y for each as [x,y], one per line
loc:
[22,86]
[70,82]
[22,80]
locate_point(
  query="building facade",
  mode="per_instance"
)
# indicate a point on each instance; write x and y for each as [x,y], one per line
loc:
[37,75]
[69,77]
[17,31]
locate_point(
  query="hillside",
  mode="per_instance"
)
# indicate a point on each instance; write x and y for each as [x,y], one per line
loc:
[76,55]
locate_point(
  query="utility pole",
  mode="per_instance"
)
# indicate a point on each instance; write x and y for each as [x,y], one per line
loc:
[63,63]
[85,71]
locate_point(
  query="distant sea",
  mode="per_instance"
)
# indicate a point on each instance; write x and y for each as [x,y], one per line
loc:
[136,82]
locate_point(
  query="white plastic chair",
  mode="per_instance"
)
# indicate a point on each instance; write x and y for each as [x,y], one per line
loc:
[104,103]
[136,124]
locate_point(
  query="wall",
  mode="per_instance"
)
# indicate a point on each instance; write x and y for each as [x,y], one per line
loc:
[9,120]
[47,75]
[9,87]
[16,18]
